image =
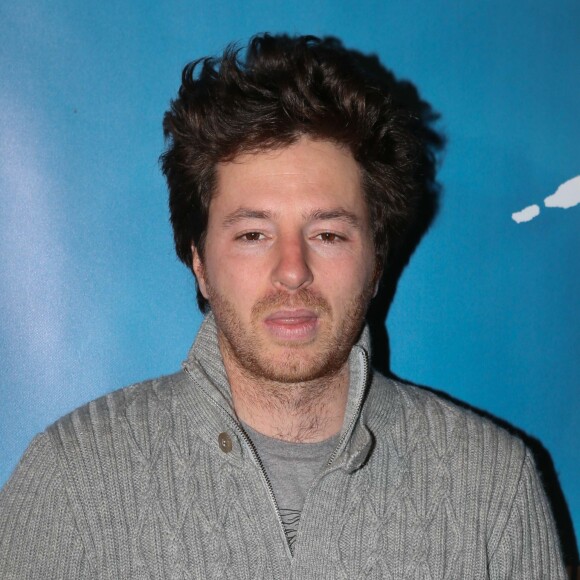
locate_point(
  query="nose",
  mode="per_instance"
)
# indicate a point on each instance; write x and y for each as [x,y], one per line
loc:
[291,270]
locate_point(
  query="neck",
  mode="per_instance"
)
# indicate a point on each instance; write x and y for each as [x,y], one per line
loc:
[304,412]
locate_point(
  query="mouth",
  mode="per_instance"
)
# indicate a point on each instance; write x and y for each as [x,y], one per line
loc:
[292,325]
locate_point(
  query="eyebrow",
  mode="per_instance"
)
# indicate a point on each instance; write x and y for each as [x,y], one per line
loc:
[336,214]
[245,213]
[340,214]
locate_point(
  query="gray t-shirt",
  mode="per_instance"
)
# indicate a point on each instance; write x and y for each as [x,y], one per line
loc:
[291,467]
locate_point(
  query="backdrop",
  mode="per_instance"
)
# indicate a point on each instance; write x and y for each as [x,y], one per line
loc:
[92,297]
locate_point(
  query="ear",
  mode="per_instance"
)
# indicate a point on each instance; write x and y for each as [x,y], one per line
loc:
[199,271]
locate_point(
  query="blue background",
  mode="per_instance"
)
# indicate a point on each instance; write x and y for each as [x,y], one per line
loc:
[92,297]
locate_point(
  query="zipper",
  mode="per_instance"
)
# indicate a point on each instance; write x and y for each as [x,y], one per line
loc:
[357,410]
[257,460]
[256,457]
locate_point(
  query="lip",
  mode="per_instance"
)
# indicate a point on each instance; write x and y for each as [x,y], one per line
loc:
[293,325]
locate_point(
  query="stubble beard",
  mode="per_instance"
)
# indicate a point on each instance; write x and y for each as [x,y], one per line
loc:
[285,363]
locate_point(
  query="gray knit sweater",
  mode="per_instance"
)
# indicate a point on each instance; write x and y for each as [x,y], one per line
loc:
[158,481]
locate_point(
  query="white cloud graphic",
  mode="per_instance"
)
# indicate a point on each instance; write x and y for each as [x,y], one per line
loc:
[527,214]
[566,196]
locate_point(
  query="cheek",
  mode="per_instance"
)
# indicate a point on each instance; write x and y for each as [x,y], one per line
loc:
[232,279]
[347,280]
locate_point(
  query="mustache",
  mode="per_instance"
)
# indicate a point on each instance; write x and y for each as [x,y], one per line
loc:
[301,299]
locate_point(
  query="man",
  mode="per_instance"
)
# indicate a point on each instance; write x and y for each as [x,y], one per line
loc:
[277,452]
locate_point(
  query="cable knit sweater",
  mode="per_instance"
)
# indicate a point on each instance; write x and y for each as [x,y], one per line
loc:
[158,481]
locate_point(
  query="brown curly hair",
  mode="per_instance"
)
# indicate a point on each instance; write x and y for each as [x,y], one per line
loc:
[287,87]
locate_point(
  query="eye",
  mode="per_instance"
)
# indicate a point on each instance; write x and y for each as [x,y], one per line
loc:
[329,237]
[251,237]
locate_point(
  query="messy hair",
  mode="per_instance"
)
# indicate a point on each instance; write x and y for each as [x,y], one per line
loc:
[285,88]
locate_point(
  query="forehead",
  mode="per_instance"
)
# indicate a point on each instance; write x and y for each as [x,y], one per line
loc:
[308,172]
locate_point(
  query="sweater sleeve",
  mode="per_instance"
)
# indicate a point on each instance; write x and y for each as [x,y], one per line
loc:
[38,535]
[529,547]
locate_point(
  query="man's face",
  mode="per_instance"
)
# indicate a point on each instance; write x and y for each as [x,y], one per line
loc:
[289,263]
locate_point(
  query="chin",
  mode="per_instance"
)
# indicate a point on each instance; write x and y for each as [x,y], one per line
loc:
[292,366]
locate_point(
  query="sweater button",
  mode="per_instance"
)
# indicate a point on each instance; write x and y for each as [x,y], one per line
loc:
[225,442]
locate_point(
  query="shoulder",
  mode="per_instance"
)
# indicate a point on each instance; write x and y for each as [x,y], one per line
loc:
[431,438]
[99,425]
[415,415]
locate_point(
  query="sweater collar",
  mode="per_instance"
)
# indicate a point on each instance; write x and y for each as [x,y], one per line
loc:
[205,357]
[205,363]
